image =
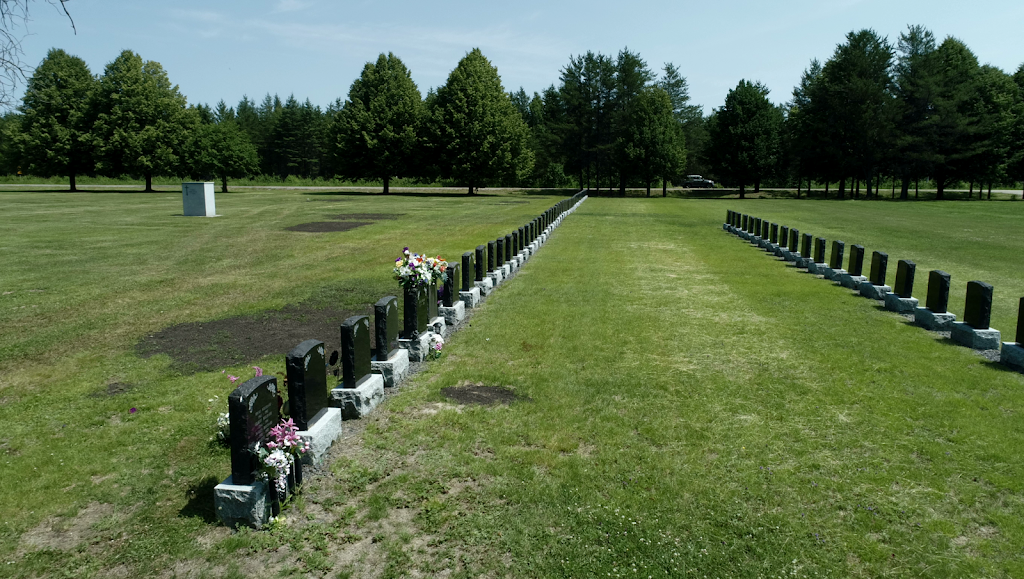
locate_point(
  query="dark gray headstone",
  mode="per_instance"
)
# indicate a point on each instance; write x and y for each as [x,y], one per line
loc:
[450,293]
[744,226]
[794,239]
[836,259]
[307,382]
[757,227]
[879,265]
[415,311]
[728,215]
[252,412]
[819,250]
[774,233]
[355,351]
[467,271]
[499,252]
[856,260]
[385,327]
[517,241]
[1020,323]
[938,291]
[435,297]
[508,247]
[805,246]
[490,256]
[784,235]
[978,311]
[904,286]
[481,262]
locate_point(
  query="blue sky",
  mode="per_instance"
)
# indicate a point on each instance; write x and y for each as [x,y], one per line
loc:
[314,48]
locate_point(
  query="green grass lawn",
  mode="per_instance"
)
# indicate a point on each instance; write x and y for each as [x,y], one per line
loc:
[692,407]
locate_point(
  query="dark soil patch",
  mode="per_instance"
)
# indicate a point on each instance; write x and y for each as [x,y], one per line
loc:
[327,226]
[481,394]
[208,346]
[113,389]
[368,216]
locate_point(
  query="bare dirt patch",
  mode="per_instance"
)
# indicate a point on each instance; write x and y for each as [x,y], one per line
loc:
[208,346]
[62,533]
[367,216]
[113,389]
[481,394]
[327,226]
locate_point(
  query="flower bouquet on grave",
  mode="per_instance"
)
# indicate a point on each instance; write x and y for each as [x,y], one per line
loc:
[285,437]
[413,270]
[275,466]
[436,345]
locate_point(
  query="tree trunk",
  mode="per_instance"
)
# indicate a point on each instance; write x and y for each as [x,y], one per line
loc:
[970,191]
[989,191]
[856,188]
[149,183]
[223,183]
[867,185]
[742,191]
[826,189]
[648,187]
[757,185]
[917,183]
[905,188]
[387,185]
[940,186]
[470,189]
[842,187]
[893,196]
[71,178]
[799,182]
[664,187]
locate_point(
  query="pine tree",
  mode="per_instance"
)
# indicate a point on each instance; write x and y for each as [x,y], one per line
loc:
[744,136]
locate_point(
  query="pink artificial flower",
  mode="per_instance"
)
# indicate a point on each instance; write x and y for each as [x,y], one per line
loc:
[232,378]
[259,371]
[133,410]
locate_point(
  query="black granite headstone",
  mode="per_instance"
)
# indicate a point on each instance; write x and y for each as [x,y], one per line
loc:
[499,247]
[519,240]
[904,286]
[978,311]
[856,260]
[774,233]
[385,327]
[480,262]
[307,382]
[1020,323]
[879,265]
[757,227]
[508,247]
[836,260]
[467,271]
[252,412]
[783,235]
[938,291]
[728,215]
[434,298]
[414,311]
[819,250]
[744,226]
[805,246]
[490,256]
[355,351]
[794,239]
[450,293]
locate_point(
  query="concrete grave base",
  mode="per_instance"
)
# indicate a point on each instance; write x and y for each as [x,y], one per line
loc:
[471,298]
[438,326]
[484,286]
[874,292]
[965,335]
[359,401]
[832,274]
[816,268]
[851,281]
[242,504]
[755,240]
[395,369]
[495,277]
[1012,355]
[788,255]
[929,320]
[417,347]
[454,314]
[802,262]
[506,270]
[895,303]
[321,435]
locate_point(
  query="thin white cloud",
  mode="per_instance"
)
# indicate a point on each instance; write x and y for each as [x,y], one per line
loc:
[291,5]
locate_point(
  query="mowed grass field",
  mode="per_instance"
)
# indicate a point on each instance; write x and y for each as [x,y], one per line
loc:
[689,406]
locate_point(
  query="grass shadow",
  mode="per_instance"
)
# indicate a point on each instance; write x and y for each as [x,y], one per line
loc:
[200,501]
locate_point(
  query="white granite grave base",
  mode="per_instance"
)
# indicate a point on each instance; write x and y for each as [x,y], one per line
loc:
[484,286]
[471,299]
[438,326]
[929,320]
[874,292]
[454,314]
[359,401]
[895,303]
[832,274]
[321,435]
[242,504]
[1012,355]
[816,268]
[506,270]
[851,281]
[965,335]
[725,226]
[395,369]
[417,348]
[495,277]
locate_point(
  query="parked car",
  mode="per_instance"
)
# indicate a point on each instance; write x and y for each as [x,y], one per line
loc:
[697,182]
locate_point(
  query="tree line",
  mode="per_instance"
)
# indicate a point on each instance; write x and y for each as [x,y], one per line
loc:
[916,110]
[610,121]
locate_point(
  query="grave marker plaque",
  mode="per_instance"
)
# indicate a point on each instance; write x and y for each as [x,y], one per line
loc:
[450,293]
[355,351]
[879,265]
[252,412]
[904,285]
[385,327]
[307,382]
[467,271]
[805,246]
[978,311]
[838,249]
[490,256]
[819,250]
[480,262]
[856,260]
[938,291]
[508,247]
[499,257]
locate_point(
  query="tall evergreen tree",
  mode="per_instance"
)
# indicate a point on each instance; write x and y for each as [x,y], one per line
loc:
[632,77]
[479,136]
[916,77]
[956,122]
[377,130]
[655,146]
[744,136]
[55,137]
[222,150]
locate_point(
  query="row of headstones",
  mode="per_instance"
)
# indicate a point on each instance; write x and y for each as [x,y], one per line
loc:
[317,409]
[808,252]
